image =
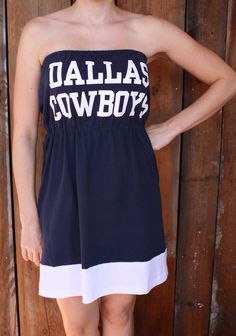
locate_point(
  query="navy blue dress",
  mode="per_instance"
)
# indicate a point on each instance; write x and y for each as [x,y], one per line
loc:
[99,201]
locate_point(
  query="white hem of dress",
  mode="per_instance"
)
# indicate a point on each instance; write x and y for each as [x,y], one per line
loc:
[118,277]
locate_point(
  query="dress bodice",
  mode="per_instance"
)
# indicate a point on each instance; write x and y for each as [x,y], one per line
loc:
[83,87]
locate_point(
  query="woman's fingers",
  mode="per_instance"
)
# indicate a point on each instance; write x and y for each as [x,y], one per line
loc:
[33,255]
[36,258]
[24,253]
[31,243]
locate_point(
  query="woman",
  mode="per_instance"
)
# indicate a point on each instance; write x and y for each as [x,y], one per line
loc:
[100,180]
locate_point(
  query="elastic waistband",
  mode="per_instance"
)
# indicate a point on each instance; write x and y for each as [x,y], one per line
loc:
[94,126]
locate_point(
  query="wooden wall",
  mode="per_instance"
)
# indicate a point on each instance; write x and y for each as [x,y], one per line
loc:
[197,179]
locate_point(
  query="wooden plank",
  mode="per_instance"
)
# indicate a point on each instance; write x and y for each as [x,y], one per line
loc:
[38,316]
[26,272]
[8,298]
[199,184]
[154,312]
[223,304]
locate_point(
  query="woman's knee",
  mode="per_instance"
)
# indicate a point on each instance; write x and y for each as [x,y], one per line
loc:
[78,318]
[78,328]
[117,309]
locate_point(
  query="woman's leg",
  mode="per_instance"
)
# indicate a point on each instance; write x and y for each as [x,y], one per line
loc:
[79,318]
[117,314]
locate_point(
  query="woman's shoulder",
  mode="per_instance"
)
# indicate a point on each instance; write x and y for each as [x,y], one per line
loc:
[40,31]
[43,22]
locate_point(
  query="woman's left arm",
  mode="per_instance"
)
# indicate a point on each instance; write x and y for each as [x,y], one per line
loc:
[205,65]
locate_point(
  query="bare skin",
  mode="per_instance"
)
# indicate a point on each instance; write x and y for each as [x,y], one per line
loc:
[84,25]
[82,319]
[117,314]
[79,318]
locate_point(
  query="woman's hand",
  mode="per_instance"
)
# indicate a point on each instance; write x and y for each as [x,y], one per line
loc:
[31,243]
[160,134]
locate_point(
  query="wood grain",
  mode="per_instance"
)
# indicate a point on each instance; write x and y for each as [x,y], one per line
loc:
[223,298]
[199,184]
[37,315]
[9,323]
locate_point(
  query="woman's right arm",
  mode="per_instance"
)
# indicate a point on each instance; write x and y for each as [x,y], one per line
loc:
[25,124]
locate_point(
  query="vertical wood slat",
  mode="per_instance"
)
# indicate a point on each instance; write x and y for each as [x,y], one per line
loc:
[26,271]
[8,296]
[223,304]
[154,312]
[38,316]
[199,184]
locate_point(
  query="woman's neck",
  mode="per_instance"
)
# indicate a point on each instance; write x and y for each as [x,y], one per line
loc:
[95,11]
